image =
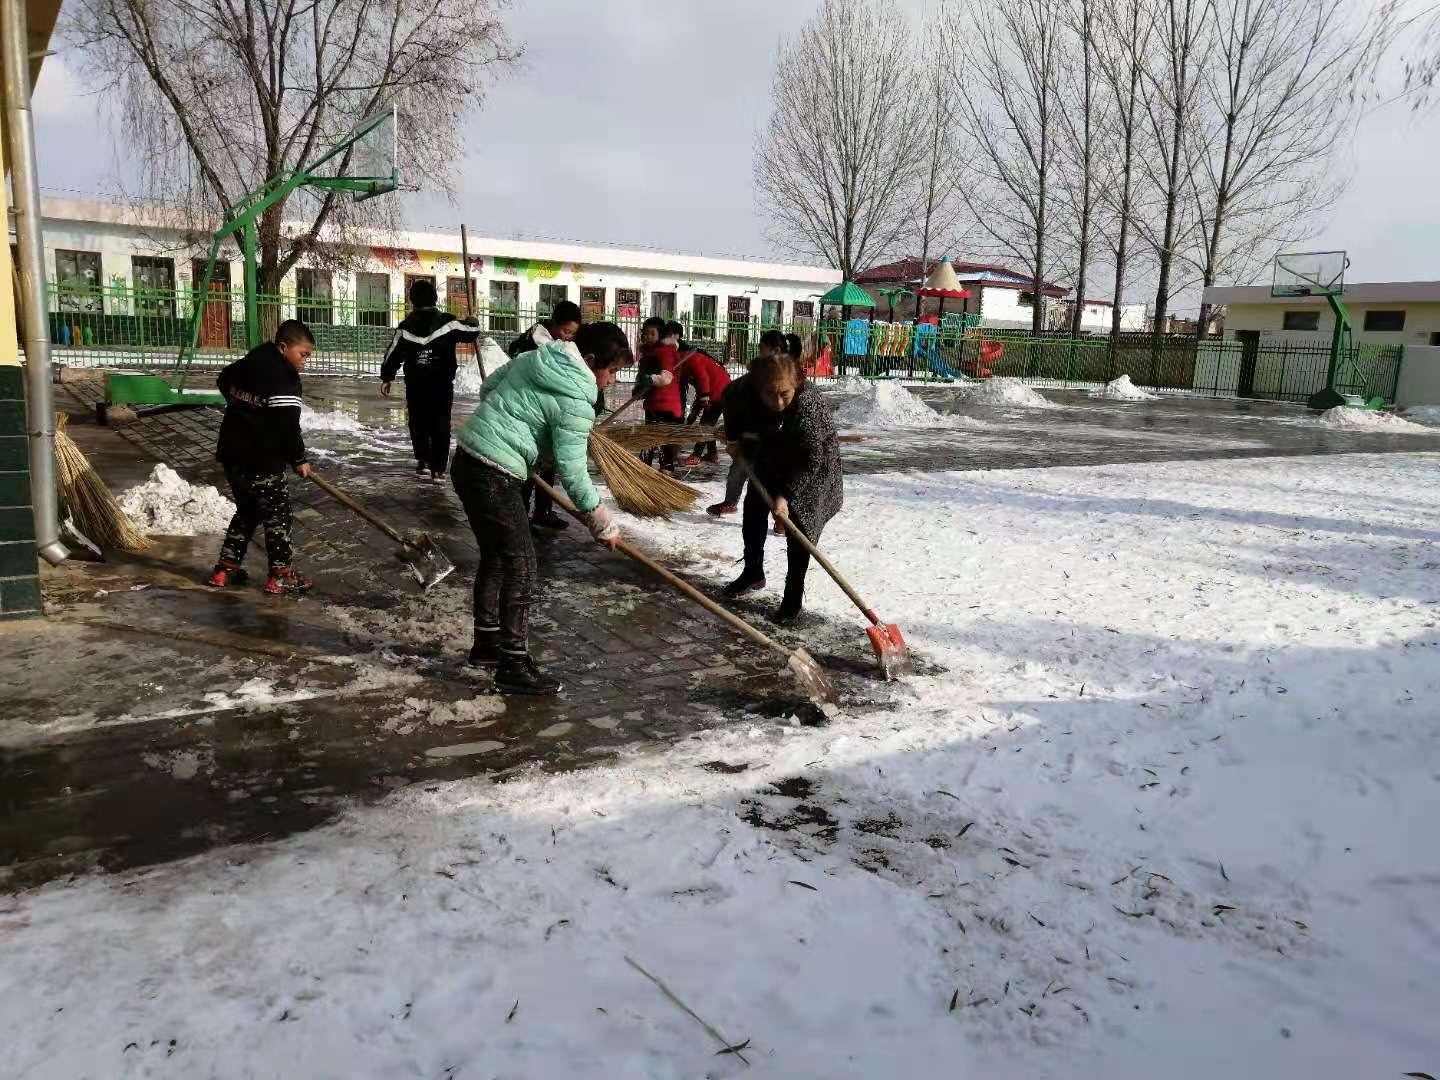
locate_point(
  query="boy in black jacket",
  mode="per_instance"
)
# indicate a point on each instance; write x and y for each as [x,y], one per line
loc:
[425,343]
[259,438]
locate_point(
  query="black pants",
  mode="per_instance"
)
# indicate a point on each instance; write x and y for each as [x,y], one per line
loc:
[669,451]
[427,401]
[706,414]
[260,499]
[755,527]
[505,581]
[544,505]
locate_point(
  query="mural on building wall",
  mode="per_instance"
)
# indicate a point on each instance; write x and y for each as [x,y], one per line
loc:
[530,269]
[411,261]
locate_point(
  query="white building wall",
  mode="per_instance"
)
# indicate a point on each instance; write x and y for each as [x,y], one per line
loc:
[1419,376]
[112,233]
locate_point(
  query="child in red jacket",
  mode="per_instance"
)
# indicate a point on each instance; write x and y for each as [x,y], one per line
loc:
[708,378]
[659,358]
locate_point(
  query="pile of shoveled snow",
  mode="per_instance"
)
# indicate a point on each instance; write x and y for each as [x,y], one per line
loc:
[1429,415]
[169,505]
[884,405]
[1351,419]
[335,420]
[1007,393]
[1122,389]
[467,375]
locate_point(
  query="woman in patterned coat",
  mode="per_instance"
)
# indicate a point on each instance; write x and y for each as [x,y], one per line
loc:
[782,426]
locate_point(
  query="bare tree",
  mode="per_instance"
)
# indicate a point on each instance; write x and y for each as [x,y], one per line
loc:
[1277,89]
[1181,36]
[1082,122]
[216,97]
[1009,103]
[939,208]
[1123,44]
[836,167]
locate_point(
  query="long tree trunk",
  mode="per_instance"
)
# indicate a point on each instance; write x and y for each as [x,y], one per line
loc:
[1127,189]
[1167,236]
[1086,165]
[1037,309]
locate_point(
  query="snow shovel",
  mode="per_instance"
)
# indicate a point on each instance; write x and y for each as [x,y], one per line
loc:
[421,554]
[885,638]
[812,680]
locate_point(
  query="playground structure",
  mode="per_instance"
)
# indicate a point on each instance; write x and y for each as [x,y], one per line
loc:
[874,347]
[363,164]
[1322,273]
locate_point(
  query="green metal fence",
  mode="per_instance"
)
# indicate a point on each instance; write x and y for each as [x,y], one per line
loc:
[126,328]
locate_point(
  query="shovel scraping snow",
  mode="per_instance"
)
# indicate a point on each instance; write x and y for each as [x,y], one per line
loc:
[886,640]
[419,553]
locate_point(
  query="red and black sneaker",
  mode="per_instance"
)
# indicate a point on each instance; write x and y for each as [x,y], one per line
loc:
[227,574]
[720,509]
[285,581]
[689,461]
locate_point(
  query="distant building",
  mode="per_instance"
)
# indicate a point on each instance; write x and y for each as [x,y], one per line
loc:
[108,259]
[1381,313]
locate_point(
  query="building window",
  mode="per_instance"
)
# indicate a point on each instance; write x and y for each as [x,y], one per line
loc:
[662,305]
[1384,322]
[627,303]
[504,304]
[592,303]
[1025,299]
[550,295]
[372,299]
[77,274]
[803,311]
[313,301]
[154,285]
[456,302]
[1435,337]
[772,312]
[703,317]
[1302,320]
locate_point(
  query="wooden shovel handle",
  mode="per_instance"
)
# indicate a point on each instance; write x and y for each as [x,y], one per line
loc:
[758,636]
[469,302]
[346,501]
[805,542]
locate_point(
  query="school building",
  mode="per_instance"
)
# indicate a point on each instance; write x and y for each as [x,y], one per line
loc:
[117,261]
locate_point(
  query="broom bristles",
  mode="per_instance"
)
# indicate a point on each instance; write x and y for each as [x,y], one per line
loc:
[637,488]
[639,437]
[94,509]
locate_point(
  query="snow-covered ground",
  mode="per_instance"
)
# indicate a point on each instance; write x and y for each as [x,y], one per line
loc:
[1168,810]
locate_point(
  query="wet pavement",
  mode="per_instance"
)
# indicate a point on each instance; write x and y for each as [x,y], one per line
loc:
[149,718]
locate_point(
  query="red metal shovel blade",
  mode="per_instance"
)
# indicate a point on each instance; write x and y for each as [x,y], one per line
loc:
[890,650]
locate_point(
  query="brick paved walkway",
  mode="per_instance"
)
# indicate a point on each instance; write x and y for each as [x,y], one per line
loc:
[137,742]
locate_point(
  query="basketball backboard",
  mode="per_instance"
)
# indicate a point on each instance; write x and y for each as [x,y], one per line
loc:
[369,169]
[1309,273]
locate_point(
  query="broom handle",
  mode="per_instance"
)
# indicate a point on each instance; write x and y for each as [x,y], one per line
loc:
[806,543]
[758,636]
[346,501]
[469,300]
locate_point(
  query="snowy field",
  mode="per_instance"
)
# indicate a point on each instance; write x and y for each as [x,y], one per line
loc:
[1168,811]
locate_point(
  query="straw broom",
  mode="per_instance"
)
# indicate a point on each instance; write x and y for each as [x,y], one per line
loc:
[92,506]
[638,489]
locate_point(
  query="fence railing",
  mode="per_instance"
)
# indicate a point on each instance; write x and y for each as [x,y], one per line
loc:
[121,327]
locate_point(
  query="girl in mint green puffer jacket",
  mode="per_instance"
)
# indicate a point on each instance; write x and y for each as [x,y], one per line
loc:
[542,403]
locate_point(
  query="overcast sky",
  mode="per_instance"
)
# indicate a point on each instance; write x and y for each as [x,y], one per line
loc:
[633,121]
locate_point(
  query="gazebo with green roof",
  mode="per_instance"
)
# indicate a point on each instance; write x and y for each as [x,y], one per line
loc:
[845,296]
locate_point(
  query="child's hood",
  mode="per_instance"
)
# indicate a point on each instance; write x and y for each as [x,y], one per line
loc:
[557,367]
